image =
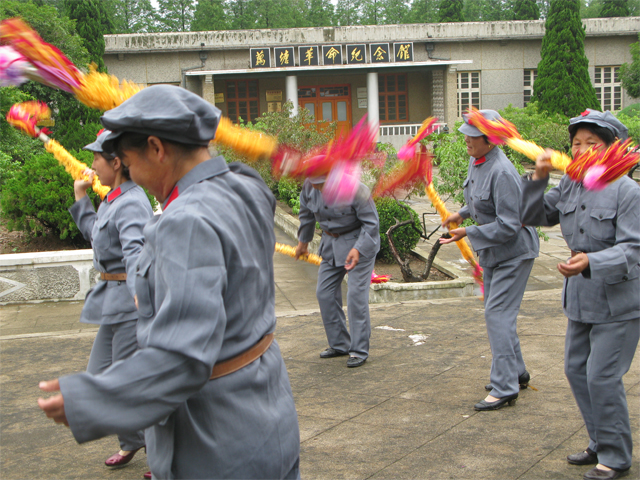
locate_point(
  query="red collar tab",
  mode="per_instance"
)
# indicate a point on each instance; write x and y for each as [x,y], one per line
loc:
[480,161]
[101,130]
[172,197]
[113,195]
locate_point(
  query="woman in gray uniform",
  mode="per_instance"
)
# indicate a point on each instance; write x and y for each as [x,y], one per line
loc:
[115,233]
[506,253]
[601,295]
[208,382]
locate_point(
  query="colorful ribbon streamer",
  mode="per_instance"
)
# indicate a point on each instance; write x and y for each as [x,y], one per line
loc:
[291,251]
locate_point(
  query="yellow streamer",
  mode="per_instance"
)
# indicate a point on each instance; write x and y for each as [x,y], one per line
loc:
[291,251]
[252,144]
[103,91]
[559,160]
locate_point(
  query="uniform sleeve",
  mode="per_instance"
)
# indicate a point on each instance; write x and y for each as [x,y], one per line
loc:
[307,218]
[625,254]
[368,243]
[506,197]
[538,208]
[130,221]
[464,212]
[183,344]
[84,215]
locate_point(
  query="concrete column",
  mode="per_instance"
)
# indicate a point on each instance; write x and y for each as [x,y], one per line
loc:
[208,92]
[292,93]
[451,96]
[373,108]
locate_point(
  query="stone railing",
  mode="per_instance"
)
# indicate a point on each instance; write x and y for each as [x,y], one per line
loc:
[397,135]
[46,276]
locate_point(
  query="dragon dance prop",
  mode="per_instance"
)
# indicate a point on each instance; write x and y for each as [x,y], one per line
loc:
[596,169]
[24,116]
[379,278]
[419,168]
[291,251]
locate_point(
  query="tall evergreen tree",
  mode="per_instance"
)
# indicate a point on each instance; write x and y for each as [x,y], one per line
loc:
[91,25]
[526,10]
[450,11]
[630,73]
[543,6]
[424,11]
[320,13]
[563,84]
[347,13]
[615,8]
[394,12]
[209,15]
[134,16]
[241,14]
[175,15]
[371,12]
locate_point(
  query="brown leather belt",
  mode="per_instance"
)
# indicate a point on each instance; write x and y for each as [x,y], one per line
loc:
[234,364]
[573,254]
[113,276]
[336,235]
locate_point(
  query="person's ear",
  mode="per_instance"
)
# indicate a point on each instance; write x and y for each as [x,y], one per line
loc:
[156,150]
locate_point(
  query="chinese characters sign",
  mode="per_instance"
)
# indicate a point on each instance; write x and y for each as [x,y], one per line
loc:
[285,57]
[260,58]
[332,54]
[403,52]
[356,54]
[308,56]
[379,52]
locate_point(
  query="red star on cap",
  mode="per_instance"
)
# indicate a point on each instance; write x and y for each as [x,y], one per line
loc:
[585,113]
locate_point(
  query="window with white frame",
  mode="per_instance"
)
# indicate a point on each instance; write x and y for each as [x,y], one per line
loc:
[468,91]
[529,78]
[608,88]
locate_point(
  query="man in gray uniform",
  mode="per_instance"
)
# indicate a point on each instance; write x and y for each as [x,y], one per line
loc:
[350,242]
[601,295]
[208,383]
[505,252]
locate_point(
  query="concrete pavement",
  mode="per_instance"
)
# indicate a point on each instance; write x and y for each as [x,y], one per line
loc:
[407,413]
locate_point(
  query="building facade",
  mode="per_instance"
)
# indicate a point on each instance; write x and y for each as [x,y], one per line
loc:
[397,75]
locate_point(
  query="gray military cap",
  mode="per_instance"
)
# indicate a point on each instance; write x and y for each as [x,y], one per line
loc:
[472,131]
[165,111]
[97,145]
[318,180]
[602,119]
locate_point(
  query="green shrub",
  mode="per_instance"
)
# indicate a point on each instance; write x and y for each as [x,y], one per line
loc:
[404,238]
[288,189]
[8,169]
[633,124]
[37,198]
[453,161]
[632,110]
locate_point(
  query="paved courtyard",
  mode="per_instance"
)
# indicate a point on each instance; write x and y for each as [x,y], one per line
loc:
[407,413]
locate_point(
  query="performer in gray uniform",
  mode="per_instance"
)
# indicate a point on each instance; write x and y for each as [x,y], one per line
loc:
[208,382]
[506,252]
[350,242]
[115,233]
[601,295]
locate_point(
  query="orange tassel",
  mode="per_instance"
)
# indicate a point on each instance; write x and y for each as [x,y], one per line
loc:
[252,144]
[291,251]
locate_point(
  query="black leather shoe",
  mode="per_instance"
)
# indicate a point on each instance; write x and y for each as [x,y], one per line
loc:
[523,380]
[355,362]
[330,353]
[588,457]
[501,402]
[597,474]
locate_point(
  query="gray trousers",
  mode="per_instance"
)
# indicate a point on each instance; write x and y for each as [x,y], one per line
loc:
[595,359]
[503,290]
[329,295]
[116,342]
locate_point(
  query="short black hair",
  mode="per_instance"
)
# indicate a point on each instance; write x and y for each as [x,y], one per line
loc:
[602,133]
[138,142]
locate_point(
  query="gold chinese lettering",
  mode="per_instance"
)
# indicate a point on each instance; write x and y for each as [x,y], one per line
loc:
[308,55]
[403,52]
[284,58]
[332,54]
[356,55]
[379,53]
[260,58]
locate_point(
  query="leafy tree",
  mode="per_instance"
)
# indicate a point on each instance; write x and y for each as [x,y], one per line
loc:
[209,15]
[320,13]
[563,84]
[13,143]
[175,15]
[543,6]
[347,13]
[371,12]
[90,17]
[614,8]
[241,14]
[424,11]
[451,11]
[590,8]
[526,10]
[274,14]
[133,16]
[630,73]
[394,12]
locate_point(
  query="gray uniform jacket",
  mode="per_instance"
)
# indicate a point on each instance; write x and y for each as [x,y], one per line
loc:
[606,226]
[357,224]
[115,233]
[492,195]
[205,286]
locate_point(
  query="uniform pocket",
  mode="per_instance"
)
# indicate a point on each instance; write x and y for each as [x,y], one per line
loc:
[100,238]
[622,292]
[567,218]
[483,202]
[143,286]
[602,224]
